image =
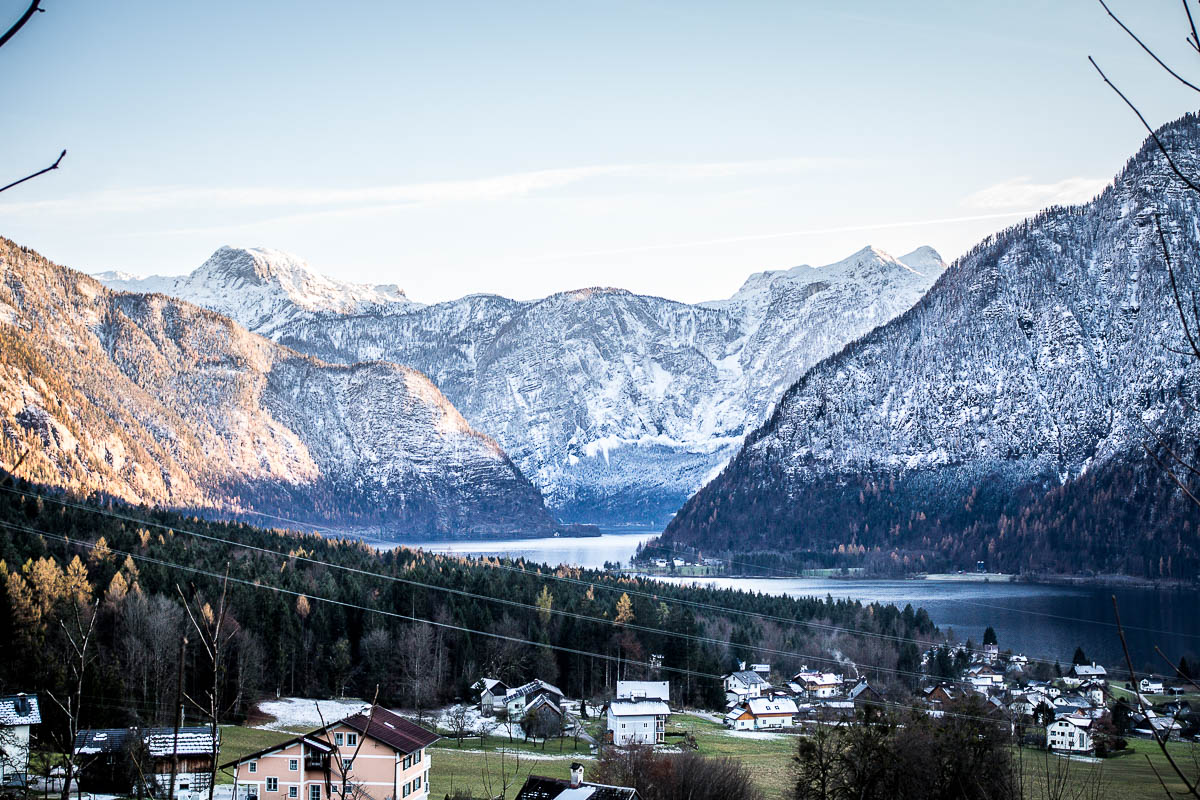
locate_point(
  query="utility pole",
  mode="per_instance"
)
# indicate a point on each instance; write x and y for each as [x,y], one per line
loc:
[178,719]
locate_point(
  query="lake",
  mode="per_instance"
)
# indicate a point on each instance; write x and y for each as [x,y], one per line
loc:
[1042,621]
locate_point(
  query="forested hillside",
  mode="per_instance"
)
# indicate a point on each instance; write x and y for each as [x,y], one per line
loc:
[313,616]
[1016,415]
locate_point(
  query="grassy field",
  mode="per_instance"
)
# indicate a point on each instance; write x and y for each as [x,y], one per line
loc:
[1128,776]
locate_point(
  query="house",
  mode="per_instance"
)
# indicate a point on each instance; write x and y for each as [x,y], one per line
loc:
[1071,734]
[642,690]
[1089,672]
[862,696]
[109,758]
[543,716]
[491,695]
[984,677]
[18,713]
[374,752]
[630,721]
[1150,686]
[762,713]
[991,652]
[762,669]
[820,685]
[576,788]
[744,684]
[515,700]
[939,695]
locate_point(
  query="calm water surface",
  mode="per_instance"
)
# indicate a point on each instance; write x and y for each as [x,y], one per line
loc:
[1041,621]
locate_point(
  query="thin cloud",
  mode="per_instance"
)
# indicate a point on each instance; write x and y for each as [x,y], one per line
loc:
[144,199]
[877,226]
[1023,192]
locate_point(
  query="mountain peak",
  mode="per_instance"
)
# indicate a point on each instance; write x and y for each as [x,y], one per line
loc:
[924,260]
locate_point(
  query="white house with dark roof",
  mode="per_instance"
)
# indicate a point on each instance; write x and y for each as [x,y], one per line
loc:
[744,684]
[18,714]
[516,700]
[1089,672]
[631,721]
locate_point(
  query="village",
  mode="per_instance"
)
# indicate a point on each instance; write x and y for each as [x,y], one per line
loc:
[530,741]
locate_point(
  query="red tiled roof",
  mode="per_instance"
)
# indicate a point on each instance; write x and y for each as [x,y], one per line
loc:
[393,730]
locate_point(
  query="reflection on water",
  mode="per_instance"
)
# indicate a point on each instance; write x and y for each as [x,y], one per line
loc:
[586,551]
[1039,620]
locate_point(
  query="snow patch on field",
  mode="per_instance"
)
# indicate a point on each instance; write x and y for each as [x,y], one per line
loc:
[293,713]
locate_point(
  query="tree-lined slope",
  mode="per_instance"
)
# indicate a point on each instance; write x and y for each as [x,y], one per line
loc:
[1003,418]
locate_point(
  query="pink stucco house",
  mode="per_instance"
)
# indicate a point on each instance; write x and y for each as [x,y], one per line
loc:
[373,755]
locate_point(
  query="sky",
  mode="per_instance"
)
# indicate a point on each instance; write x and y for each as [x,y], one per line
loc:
[526,148]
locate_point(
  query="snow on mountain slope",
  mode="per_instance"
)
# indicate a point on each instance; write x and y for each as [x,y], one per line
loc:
[1041,356]
[617,406]
[262,289]
[158,401]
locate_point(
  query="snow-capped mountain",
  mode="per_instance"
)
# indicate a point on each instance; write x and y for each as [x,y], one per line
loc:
[1003,417]
[262,289]
[155,400]
[617,406]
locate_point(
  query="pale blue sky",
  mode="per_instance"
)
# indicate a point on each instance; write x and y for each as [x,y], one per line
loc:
[525,148]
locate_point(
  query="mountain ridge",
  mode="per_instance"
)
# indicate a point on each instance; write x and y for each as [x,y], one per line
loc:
[151,399]
[1039,363]
[617,405]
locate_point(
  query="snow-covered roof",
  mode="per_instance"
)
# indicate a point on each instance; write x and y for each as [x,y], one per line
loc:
[192,741]
[1089,670]
[657,689]
[624,707]
[19,709]
[488,684]
[760,706]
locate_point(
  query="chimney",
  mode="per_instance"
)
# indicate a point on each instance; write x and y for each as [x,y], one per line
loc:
[576,775]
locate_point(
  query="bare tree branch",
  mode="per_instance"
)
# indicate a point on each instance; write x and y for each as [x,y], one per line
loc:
[1162,745]
[1152,54]
[20,23]
[1145,124]
[1194,41]
[39,172]
[1187,330]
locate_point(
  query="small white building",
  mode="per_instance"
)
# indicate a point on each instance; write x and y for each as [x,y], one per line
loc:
[491,695]
[1150,686]
[516,700]
[744,684]
[18,713]
[1070,734]
[644,690]
[632,721]
[763,713]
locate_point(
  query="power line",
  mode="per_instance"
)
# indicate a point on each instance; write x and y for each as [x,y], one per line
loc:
[720,609]
[826,627]
[396,615]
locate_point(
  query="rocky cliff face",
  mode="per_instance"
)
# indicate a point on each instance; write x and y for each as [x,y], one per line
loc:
[155,400]
[1047,355]
[618,406]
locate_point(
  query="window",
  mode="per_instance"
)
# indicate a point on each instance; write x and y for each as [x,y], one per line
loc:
[337,739]
[293,764]
[417,783]
[351,739]
[252,766]
[417,757]
[407,762]
[346,764]
[272,784]
[292,791]
[407,790]
[314,792]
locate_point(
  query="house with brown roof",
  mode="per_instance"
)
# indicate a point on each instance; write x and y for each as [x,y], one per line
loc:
[373,755]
